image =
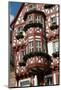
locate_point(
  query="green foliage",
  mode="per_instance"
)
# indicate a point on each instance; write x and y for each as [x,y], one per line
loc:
[19,36]
[32,54]
[53,26]
[56,54]
[32,25]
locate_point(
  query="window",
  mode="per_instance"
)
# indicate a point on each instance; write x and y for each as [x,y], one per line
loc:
[20,30]
[25,82]
[31,7]
[38,45]
[48,79]
[17,31]
[44,45]
[55,47]
[39,19]
[22,54]
[31,46]
[53,20]
[30,19]
[26,49]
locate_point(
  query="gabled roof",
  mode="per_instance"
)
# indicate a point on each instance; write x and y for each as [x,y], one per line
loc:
[13,22]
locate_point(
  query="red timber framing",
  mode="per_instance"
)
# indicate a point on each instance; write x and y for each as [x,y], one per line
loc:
[37,66]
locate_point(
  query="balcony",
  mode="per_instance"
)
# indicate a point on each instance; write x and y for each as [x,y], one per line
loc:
[35,12]
[48,6]
[37,61]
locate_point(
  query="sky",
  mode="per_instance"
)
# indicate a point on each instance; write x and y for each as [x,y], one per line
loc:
[13,9]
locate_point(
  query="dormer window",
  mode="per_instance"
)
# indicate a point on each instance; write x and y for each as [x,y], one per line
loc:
[31,7]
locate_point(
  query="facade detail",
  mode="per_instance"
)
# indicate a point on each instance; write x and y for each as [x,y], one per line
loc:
[35,45]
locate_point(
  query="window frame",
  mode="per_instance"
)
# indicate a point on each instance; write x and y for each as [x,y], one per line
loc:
[53,20]
[55,47]
[47,79]
[38,45]
[19,30]
[30,46]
